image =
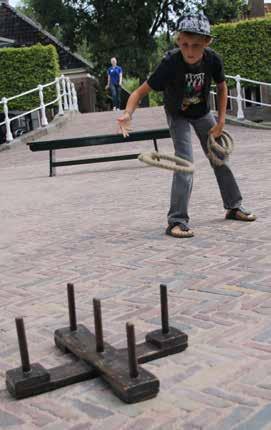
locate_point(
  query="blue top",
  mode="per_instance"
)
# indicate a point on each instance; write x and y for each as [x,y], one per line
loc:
[114,73]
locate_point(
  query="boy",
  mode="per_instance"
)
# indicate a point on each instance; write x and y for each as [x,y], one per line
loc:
[185,76]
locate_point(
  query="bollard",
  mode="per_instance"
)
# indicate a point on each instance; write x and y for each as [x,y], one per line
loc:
[23,345]
[164,308]
[28,379]
[131,344]
[72,310]
[168,338]
[98,325]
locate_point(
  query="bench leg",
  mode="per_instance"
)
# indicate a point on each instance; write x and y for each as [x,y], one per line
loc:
[52,159]
[155,145]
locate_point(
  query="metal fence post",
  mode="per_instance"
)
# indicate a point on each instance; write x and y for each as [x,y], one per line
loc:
[9,136]
[59,98]
[66,106]
[240,112]
[74,98]
[213,103]
[44,120]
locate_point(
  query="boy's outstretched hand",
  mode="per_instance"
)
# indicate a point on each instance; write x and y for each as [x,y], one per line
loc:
[124,123]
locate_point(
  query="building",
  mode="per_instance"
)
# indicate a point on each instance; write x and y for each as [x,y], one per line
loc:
[18,30]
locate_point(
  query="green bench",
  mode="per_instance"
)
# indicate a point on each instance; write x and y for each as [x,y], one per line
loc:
[53,145]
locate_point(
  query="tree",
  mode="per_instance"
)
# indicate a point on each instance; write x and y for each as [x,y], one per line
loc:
[26,8]
[127,29]
[48,12]
[54,16]
[122,28]
[224,10]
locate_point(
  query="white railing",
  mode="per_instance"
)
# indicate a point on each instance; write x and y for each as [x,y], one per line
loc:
[239,94]
[66,100]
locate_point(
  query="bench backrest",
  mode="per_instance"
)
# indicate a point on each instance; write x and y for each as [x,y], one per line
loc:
[98,140]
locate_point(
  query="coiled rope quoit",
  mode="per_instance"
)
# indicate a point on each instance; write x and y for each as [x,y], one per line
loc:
[177,164]
[218,150]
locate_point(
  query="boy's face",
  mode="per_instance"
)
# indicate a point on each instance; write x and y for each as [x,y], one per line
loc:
[192,46]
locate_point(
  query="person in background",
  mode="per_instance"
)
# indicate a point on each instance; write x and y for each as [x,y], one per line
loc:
[114,82]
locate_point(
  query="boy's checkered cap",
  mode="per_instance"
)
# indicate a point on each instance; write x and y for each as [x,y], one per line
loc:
[195,23]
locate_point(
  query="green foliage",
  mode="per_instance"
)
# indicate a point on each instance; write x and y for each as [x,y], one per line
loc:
[23,69]
[156,98]
[124,28]
[83,49]
[246,48]
[51,12]
[128,30]
[224,10]
[163,44]
[26,8]
[54,16]
[101,29]
[130,84]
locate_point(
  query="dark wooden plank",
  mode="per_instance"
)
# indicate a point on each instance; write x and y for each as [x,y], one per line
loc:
[41,380]
[98,140]
[147,352]
[111,365]
[71,374]
[95,160]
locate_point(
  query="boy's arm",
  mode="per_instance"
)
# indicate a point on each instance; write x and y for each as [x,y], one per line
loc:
[124,120]
[120,81]
[222,94]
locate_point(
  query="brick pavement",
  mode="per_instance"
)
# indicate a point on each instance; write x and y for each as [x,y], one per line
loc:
[102,227]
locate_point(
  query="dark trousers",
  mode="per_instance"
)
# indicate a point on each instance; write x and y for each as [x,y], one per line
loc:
[180,131]
[115,92]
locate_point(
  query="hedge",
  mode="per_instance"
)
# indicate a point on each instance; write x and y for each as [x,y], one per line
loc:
[23,69]
[245,47]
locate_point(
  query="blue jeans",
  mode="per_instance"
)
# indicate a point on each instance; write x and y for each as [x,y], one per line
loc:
[115,92]
[180,132]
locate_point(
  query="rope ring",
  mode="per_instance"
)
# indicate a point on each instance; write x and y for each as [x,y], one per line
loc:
[177,164]
[218,150]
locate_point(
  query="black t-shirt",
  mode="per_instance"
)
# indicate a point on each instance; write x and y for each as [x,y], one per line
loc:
[194,103]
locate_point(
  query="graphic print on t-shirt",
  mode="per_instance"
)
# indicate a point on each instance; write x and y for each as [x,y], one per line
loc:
[193,93]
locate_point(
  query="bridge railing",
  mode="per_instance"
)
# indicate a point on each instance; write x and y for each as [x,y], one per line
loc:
[66,100]
[239,94]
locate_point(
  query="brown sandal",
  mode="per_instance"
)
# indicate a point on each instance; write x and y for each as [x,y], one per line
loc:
[240,214]
[179,231]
